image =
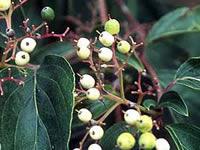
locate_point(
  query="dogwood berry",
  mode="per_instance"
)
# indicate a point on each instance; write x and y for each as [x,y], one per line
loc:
[125,141]
[83,52]
[28,45]
[76,149]
[22,58]
[147,141]
[96,132]
[131,116]
[93,94]
[145,123]
[5,5]
[94,147]
[106,38]
[10,32]
[84,115]
[105,54]
[123,47]
[112,26]
[162,144]
[83,42]
[87,81]
[47,14]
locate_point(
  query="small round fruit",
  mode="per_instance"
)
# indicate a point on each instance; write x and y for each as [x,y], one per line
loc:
[83,53]
[94,147]
[76,149]
[10,32]
[123,47]
[96,132]
[147,141]
[125,141]
[162,144]
[22,58]
[131,116]
[87,81]
[112,26]
[83,42]
[106,38]
[5,5]
[105,54]
[93,94]
[145,123]
[47,14]
[84,115]
[28,45]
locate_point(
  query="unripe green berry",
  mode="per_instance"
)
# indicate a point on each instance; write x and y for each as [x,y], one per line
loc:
[94,147]
[105,54]
[28,44]
[147,141]
[93,94]
[123,47]
[112,26]
[5,5]
[47,14]
[106,38]
[83,42]
[96,132]
[131,116]
[145,123]
[83,53]
[84,115]
[87,81]
[125,141]
[22,58]
[162,144]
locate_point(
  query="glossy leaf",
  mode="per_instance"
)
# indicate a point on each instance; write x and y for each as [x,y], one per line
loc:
[149,103]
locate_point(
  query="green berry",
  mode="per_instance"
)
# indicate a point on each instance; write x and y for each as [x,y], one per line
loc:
[147,141]
[145,123]
[112,26]
[106,38]
[5,5]
[123,47]
[47,14]
[125,141]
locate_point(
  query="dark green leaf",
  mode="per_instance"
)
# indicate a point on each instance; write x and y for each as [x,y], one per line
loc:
[173,100]
[185,136]
[38,115]
[148,103]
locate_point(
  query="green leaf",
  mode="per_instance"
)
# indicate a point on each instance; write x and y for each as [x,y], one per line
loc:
[133,61]
[173,100]
[178,22]
[109,139]
[188,73]
[38,115]
[148,103]
[185,136]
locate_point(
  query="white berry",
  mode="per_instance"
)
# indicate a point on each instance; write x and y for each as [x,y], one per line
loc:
[105,54]
[5,5]
[94,147]
[93,94]
[22,58]
[106,38]
[28,45]
[83,42]
[83,52]
[76,149]
[162,144]
[96,132]
[84,115]
[87,81]
[131,116]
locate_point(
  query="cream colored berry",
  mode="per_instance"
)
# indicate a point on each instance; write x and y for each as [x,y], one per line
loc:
[22,58]
[123,47]
[125,141]
[93,94]
[96,132]
[94,147]
[83,42]
[5,5]
[106,38]
[76,149]
[105,54]
[162,144]
[83,53]
[131,116]
[84,115]
[28,45]
[87,81]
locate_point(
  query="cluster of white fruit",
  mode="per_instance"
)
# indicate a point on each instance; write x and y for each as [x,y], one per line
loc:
[147,140]
[27,45]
